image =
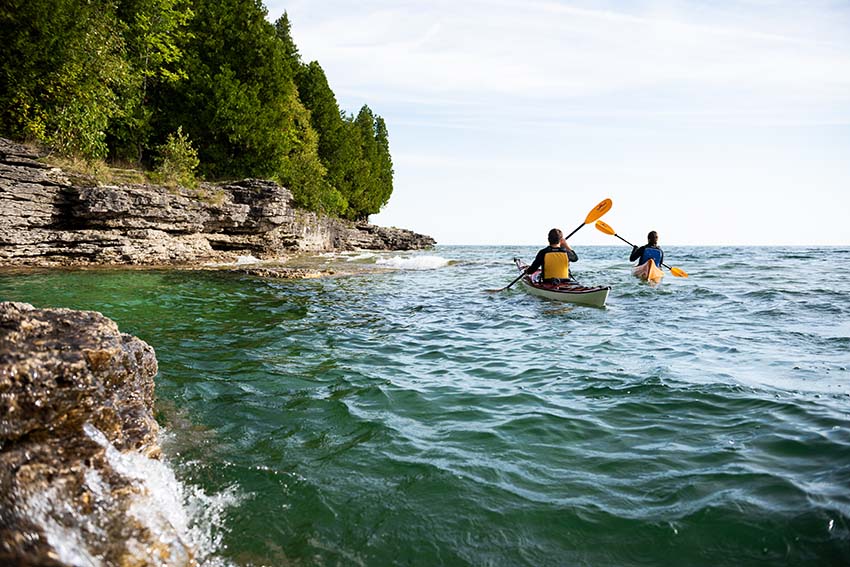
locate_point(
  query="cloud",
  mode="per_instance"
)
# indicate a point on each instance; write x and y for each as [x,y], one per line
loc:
[664,56]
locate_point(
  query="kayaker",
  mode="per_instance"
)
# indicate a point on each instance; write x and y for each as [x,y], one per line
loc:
[648,250]
[554,259]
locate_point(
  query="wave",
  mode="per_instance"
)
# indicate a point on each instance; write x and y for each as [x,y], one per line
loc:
[187,521]
[414,262]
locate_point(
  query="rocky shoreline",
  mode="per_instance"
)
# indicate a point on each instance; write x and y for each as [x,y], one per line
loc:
[76,427]
[51,218]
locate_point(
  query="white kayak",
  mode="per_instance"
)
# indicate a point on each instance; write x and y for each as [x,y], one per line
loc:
[570,292]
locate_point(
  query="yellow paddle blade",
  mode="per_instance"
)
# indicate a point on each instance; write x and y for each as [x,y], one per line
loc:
[599,210]
[605,228]
[678,272]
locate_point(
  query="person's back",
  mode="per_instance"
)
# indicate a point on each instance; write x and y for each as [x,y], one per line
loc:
[648,251]
[554,259]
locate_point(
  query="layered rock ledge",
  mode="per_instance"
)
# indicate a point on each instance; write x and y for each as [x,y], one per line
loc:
[76,426]
[49,217]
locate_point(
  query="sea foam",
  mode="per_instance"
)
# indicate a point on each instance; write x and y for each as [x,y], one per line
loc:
[184,519]
[414,262]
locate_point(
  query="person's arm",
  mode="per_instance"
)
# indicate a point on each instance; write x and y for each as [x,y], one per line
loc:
[662,256]
[636,253]
[536,264]
[571,254]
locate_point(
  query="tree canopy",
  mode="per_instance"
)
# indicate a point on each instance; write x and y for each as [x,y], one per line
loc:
[115,78]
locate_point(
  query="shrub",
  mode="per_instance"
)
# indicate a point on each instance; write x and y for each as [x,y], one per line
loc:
[178,160]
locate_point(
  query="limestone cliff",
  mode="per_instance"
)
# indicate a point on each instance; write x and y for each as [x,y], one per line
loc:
[49,217]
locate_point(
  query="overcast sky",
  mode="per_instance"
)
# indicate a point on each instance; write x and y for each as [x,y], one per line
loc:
[712,122]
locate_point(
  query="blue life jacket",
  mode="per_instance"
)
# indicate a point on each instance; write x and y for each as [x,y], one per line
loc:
[654,253]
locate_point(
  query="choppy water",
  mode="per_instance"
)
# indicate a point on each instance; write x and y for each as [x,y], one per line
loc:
[409,418]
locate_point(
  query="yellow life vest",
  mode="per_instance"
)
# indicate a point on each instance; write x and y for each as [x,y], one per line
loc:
[556,264]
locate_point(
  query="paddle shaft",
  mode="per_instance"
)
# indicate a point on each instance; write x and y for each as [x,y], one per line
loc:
[567,237]
[513,282]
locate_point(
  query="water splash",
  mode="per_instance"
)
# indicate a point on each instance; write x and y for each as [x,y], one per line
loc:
[181,517]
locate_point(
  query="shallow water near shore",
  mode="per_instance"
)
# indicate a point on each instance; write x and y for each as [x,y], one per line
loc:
[407,417]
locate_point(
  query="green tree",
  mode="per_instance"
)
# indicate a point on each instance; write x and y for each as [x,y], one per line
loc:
[153,30]
[336,149]
[384,163]
[303,171]
[60,66]
[237,100]
[370,174]
[283,31]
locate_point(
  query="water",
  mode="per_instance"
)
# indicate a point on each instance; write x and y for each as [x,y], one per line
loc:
[410,418]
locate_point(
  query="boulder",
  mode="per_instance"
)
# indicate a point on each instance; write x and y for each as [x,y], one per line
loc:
[76,429]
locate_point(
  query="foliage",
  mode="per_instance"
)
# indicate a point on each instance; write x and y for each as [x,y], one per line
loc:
[130,78]
[178,161]
[153,31]
[60,66]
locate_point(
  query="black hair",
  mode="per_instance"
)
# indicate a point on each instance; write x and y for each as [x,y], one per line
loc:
[555,236]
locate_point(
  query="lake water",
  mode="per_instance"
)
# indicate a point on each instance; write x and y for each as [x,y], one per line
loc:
[410,418]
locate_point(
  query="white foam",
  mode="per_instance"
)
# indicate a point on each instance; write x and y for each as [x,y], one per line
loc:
[183,518]
[362,256]
[167,506]
[245,260]
[414,262]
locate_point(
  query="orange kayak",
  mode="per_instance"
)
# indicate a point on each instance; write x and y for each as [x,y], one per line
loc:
[648,272]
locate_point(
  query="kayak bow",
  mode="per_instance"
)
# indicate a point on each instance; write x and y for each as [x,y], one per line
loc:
[648,272]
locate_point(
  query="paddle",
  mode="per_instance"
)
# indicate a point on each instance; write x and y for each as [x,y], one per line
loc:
[596,212]
[678,272]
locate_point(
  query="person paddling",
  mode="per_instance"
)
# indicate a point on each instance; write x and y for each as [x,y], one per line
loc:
[648,250]
[554,259]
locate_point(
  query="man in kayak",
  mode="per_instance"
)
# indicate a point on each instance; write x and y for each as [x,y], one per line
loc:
[648,250]
[554,259]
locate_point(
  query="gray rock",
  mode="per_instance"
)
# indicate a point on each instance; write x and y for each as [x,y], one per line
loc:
[51,218]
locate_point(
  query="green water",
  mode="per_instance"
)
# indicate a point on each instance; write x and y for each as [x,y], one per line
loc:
[409,418]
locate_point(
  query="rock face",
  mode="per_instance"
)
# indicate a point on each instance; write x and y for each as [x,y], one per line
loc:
[76,411]
[50,218]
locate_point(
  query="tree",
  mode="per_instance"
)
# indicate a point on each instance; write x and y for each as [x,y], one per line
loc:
[153,31]
[237,101]
[60,66]
[283,31]
[335,150]
[384,163]
[370,174]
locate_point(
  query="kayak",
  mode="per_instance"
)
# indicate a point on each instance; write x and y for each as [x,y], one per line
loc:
[648,272]
[570,292]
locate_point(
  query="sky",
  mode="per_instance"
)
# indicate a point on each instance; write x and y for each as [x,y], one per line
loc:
[713,122]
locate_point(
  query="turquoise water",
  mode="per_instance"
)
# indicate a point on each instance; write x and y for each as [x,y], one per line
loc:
[410,418]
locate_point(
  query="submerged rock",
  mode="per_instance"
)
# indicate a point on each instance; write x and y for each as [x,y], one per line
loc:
[77,434]
[284,273]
